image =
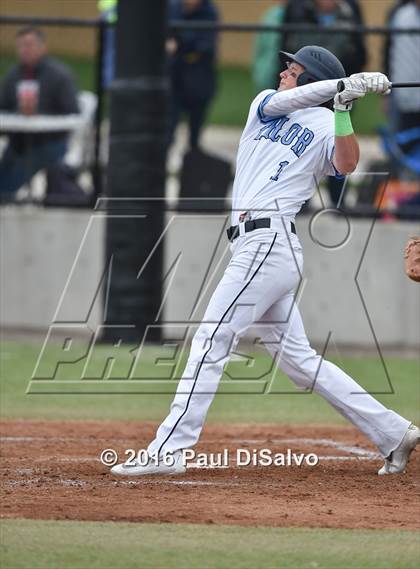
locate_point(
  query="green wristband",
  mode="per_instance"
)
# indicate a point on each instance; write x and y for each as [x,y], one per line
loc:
[343,126]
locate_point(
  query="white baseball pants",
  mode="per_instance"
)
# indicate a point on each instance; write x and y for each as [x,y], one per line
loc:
[258,287]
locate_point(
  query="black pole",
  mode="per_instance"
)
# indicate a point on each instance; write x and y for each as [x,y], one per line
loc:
[136,172]
[99,60]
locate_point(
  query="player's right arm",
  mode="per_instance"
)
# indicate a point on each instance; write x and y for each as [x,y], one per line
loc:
[280,103]
[346,147]
[346,153]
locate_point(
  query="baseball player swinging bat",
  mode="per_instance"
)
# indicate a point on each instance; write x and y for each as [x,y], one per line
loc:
[292,138]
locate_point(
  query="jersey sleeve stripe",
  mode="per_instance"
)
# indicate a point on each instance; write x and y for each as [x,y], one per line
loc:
[260,111]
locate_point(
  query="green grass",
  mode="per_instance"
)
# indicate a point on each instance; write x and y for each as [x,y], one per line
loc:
[93,545]
[236,91]
[291,406]
[107,545]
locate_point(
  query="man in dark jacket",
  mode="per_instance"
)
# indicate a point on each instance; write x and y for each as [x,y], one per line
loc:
[36,85]
[192,66]
[347,46]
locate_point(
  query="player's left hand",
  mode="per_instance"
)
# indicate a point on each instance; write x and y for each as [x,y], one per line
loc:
[352,89]
[376,82]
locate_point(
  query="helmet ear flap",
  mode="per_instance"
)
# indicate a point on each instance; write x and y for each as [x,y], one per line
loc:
[305,78]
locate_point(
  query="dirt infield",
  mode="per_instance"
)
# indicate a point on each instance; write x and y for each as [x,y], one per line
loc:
[51,470]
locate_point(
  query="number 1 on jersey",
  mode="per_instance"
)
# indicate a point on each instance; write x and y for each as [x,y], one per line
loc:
[282,165]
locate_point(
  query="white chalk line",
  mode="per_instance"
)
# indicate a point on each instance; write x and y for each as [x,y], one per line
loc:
[48,480]
[178,482]
[191,465]
[317,442]
[359,453]
[69,482]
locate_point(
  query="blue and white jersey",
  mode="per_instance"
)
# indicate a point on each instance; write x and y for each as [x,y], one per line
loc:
[281,159]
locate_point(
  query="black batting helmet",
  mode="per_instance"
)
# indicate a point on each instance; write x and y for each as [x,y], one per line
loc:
[319,64]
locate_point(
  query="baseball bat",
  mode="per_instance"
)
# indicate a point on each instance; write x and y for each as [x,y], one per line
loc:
[340,85]
[399,85]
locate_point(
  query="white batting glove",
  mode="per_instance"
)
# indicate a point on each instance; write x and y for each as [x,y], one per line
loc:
[376,82]
[353,89]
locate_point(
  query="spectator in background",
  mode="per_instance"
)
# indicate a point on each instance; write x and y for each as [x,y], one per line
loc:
[108,13]
[397,4]
[265,67]
[404,66]
[347,46]
[388,102]
[192,58]
[36,85]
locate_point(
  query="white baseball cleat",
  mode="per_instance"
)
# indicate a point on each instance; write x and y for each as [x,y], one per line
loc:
[398,459]
[172,463]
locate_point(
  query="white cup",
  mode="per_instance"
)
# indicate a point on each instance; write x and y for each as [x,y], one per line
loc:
[27,96]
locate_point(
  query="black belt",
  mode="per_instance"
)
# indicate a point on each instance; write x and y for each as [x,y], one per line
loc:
[265,222]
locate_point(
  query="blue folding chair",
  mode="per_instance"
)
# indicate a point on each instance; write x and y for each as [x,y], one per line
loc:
[393,143]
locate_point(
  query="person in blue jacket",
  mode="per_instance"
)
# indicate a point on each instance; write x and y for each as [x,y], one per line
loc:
[192,61]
